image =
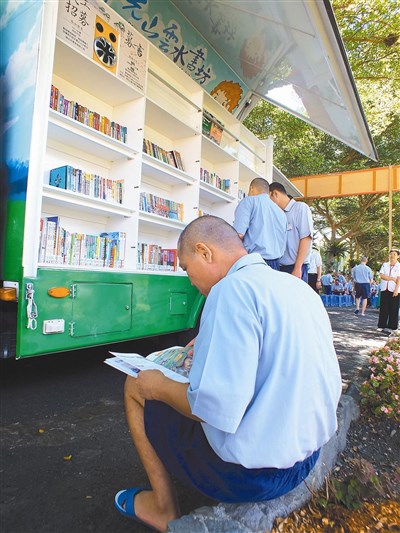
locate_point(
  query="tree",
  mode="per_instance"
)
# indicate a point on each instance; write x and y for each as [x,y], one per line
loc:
[357,225]
[371,32]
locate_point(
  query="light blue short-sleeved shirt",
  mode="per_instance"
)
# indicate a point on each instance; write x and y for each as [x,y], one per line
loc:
[299,225]
[326,279]
[265,378]
[362,274]
[263,225]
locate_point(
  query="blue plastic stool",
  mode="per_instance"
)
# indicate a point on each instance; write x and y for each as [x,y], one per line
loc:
[349,301]
[335,300]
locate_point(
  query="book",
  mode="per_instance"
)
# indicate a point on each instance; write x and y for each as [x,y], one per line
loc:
[174,362]
[59,176]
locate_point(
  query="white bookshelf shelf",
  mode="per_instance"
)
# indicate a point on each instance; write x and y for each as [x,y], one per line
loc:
[68,131]
[165,173]
[216,153]
[153,220]
[62,197]
[213,194]
[168,124]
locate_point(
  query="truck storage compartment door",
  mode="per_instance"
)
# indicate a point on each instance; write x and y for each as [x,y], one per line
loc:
[100,308]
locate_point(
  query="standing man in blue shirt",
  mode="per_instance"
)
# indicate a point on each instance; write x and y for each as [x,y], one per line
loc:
[296,258]
[263,366]
[326,281]
[261,224]
[362,276]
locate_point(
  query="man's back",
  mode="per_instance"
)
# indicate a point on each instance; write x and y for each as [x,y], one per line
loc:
[263,226]
[300,225]
[264,355]
[362,273]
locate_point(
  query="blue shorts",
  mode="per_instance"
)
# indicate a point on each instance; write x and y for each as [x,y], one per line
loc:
[182,447]
[363,290]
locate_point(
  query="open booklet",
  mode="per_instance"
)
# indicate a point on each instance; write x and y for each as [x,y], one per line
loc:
[174,362]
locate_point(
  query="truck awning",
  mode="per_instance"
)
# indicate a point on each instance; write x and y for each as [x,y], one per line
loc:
[291,54]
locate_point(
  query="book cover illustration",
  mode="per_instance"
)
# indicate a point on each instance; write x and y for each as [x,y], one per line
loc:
[175,362]
[176,359]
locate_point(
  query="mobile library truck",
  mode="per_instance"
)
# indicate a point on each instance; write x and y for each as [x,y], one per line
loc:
[122,122]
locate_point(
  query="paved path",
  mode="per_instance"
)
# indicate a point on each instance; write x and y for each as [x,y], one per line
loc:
[354,337]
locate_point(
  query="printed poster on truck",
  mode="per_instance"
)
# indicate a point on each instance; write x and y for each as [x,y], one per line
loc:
[97,32]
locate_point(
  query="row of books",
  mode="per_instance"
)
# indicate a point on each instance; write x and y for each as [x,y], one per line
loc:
[212,127]
[160,206]
[213,179]
[84,115]
[79,181]
[171,157]
[155,257]
[58,246]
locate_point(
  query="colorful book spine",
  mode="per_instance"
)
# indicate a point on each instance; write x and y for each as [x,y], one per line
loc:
[61,247]
[82,114]
[163,207]
[170,157]
[152,256]
[88,184]
[215,180]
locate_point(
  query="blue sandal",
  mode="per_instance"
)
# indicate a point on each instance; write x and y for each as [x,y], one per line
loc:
[125,503]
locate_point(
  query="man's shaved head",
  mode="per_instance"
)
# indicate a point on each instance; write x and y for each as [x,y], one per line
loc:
[260,185]
[211,230]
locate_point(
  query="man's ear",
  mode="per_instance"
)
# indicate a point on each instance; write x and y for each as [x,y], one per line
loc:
[204,251]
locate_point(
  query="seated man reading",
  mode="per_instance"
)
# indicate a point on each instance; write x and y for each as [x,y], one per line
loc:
[338,287]
[262,393]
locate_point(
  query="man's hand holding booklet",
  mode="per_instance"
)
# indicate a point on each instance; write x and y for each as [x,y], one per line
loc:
[175,362]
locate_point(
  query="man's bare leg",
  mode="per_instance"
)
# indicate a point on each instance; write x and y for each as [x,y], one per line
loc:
[364,306]
[160,505]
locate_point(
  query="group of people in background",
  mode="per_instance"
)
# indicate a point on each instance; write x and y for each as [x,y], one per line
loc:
[269,221]
[362,286]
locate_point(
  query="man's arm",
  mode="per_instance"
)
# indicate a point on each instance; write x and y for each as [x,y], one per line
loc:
[154,385]
[302,252]
[319,274]
[242,217]
[397,288]
[388,278]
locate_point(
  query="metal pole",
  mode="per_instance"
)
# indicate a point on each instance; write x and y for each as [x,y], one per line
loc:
[390,204]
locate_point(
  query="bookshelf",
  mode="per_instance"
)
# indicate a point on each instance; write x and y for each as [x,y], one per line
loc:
[160,105]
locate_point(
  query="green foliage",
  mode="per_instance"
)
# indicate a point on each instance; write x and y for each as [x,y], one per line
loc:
[360,221]
[380,393]
[348,493]
[351,491]
[371,33]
